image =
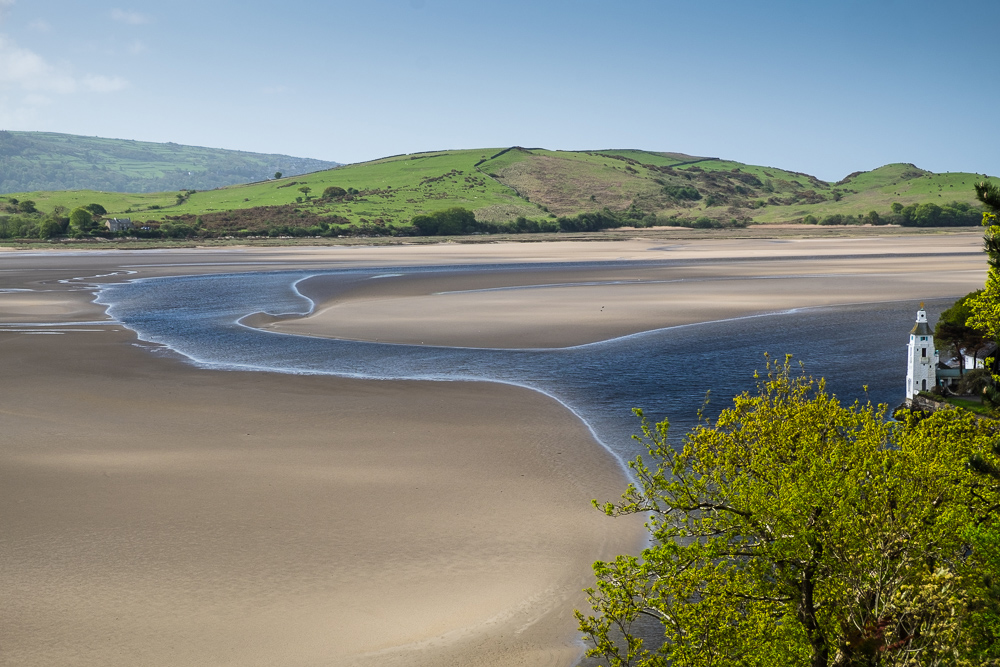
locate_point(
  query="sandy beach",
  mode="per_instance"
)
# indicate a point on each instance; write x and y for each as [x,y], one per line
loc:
[155,513]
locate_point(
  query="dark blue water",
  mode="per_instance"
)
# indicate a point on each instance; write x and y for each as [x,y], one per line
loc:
[667,372]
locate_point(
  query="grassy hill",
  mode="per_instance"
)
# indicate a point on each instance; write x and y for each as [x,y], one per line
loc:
[50,161]
[502,185]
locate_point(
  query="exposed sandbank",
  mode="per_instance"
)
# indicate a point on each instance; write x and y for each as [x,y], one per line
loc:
[164,515]
[565,307]
[159,514]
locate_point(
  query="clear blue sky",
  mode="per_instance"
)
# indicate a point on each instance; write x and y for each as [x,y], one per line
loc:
[821,87]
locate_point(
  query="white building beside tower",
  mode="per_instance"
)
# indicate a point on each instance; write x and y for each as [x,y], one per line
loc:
[922,361]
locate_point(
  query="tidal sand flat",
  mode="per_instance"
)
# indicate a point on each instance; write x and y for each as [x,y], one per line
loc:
[160,513]
[571,307]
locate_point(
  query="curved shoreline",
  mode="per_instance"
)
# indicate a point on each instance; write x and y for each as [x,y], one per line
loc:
[228,499]
[344,286]
[221,338]
[207,527]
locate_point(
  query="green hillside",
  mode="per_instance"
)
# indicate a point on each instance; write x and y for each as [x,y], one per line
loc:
[547,188]
[49,161]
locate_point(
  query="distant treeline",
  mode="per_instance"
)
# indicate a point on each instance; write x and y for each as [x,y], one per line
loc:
[955,214]
[457,221]
[27,226]
[24,221]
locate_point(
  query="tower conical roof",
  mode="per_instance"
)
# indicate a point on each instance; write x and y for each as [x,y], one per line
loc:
[921,328]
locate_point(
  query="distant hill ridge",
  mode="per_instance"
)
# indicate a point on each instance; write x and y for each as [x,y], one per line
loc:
[517,190]
[31,161]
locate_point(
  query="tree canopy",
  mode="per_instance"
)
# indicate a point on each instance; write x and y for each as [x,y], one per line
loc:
[952,330]
[794,530]
[984,307]
[81,221]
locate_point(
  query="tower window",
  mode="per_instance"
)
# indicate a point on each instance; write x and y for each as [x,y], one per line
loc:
[923,352]
[923,385]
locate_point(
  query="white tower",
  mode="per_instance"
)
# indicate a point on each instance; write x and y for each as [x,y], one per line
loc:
[921,365]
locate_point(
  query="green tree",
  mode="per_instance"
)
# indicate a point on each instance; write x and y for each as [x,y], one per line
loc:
[48,228]
[97,209]
[986,306]
[333,192]
[927,215]
[897,208]
[305,190]
[26,206]
[81,221]
[277,175]
[985,316]
[798,531]
[951,330]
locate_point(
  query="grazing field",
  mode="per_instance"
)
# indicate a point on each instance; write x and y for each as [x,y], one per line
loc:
[500,186]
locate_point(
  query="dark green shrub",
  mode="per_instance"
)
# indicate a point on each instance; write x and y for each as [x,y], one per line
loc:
[682,192]
[973,382]
[591,222]
[449,222]
[835,219]
[48,228]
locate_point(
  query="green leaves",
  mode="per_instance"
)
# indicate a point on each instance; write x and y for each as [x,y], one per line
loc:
[796,530]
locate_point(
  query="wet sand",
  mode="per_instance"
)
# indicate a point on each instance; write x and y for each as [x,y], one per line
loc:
[565,308]
[698,281]
[159,514]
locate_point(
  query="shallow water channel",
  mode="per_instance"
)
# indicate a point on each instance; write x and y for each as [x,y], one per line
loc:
[667,372]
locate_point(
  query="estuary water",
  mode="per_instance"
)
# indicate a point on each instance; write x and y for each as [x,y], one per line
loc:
[667,372]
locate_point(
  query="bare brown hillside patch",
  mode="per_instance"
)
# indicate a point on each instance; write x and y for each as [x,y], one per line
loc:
[506,212]
[566,186]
